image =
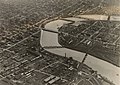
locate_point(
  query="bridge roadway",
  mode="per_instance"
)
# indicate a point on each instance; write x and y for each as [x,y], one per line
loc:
[50,39]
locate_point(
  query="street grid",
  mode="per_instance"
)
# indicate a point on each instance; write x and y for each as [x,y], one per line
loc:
[21,59]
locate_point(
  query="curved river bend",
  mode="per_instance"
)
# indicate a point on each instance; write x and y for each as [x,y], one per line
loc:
[51,39]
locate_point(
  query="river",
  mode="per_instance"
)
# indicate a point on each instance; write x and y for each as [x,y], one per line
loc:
[51,39]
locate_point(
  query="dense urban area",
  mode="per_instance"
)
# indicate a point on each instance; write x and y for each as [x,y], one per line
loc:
[22,59]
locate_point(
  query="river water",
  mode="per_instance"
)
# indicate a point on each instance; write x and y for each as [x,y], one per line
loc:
[51,39]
